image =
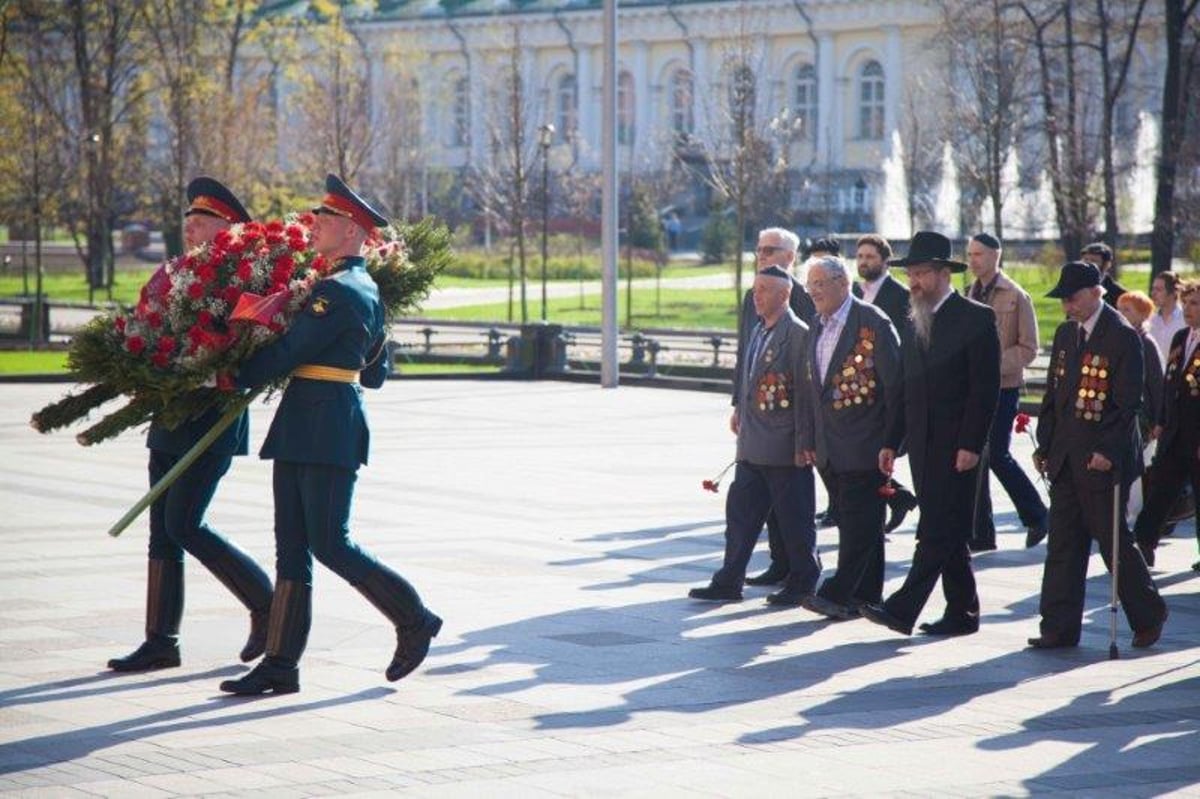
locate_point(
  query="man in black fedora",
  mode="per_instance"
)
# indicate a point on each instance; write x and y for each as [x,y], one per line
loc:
[951,362]
[1089,445]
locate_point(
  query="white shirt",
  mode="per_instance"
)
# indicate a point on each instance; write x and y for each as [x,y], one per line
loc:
[1163,330]
[871,290]
[831,331]
[1090,324]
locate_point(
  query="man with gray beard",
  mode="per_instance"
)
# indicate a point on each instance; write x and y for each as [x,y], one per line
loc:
[951,356]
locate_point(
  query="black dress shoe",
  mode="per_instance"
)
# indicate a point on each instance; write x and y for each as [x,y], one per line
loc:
[828,608]
[876,613]
[263,678]
[900,504]
[152,654]
[1150,636]
[775,574]
[412,645]
[1034,535]
[1052,641]
[963,625]
[981,545]
[716,593]
[789,597]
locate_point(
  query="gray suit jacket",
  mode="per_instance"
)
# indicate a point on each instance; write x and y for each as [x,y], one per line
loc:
[859,399]
[775,406]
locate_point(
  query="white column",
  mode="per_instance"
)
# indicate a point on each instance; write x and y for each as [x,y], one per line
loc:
[829,105]
[701,81]
[476,99]
[589,123]
[893,82]
[643,122]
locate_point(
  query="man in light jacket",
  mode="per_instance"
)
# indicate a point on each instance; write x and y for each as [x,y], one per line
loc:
[1016,324]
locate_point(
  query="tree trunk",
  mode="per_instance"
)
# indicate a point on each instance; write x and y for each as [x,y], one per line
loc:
[1162,242]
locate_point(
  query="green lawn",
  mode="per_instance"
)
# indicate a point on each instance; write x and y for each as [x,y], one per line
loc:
[19,362]
[73,286]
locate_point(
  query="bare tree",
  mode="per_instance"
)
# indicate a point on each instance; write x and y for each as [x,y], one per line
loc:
[1180,15]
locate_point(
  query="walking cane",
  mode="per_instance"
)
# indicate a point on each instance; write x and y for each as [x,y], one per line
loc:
[1115,558]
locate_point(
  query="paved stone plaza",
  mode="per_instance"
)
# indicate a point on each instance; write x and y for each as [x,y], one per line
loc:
[556,527]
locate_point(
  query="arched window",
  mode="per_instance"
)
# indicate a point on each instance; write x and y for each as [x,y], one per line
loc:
[625,108]
[742,96]
[804,100]
[870,101]
[460,114]
[682,118]
[567,108]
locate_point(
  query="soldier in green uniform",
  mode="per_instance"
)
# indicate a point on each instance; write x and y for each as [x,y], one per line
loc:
[318,439]
[177,521]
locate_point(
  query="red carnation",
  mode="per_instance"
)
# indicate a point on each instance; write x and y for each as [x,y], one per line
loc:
[160,359]
[308,219]
[710,485]
[285,262]
[135,344]
[207,273]
[1022,422]
[715,483]
[275,226]
[274,239]
[244,271]
[195,291]
[320,264]
[231,294]
[204,318]
[154,319]
[223,239]
[297,244]
[119,324]
[166,344]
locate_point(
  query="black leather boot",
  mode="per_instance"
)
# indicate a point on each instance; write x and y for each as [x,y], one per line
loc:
[252,587]
[416,626]
[164,609]
[287,635]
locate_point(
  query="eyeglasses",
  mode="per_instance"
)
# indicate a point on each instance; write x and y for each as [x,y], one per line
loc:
[768,249]
[821,285]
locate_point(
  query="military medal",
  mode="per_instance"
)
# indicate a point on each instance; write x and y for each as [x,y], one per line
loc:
[1093,387]
[857,383]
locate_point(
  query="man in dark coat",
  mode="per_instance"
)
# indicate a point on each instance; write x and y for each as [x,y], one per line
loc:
[1089,447]
[854,365]
[776,247]
[877,287]
[951,384]
[1177,426]
[177,518]
[773,424]
[318,439]
[1101,256]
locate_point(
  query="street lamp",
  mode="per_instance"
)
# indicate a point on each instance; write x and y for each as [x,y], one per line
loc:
[545,139]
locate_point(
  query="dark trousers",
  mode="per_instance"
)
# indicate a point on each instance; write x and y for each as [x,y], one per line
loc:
[312,515]
[1081,510]
[859,575]
[1030,508]
[1174,468]
[177,517]
[756,491]
[941,552]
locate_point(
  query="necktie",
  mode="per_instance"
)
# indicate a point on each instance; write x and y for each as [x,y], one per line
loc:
[1082,337]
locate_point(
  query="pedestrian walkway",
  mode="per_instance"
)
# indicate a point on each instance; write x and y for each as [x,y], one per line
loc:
[556,527]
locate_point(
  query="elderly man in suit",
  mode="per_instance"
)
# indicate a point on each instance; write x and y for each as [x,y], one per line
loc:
[773,424]
[854,365]
[776,247]
[879,288]
[951,357]
[1089,447]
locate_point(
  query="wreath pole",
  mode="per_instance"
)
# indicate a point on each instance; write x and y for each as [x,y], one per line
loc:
[190,457]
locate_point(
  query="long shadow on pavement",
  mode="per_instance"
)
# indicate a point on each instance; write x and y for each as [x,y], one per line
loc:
[105,682]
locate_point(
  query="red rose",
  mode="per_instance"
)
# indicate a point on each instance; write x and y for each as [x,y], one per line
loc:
[166,344]
[154,319]
[160,359]
[135,344]
[1022,422]
[195,291]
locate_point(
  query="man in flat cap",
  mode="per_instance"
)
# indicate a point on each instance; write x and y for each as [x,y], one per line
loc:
[318,439]
[773,424]
[1089,445]
[776,247]
[1016,324]
[177,522]
[951,356]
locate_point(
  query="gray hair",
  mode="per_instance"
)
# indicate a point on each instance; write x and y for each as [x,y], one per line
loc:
[831,264]
[790,238]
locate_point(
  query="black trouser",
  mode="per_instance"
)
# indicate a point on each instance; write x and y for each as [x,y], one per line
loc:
[859,575]
[1081,509]
[1175,467]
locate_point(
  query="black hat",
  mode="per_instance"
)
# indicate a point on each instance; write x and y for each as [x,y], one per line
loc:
[1098,248]
[775,271]
[825,244]
[341,200]
[926,247]
[1075,275]
[210,197]
[987,240]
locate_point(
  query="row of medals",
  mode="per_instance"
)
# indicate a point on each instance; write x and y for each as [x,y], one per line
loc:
[770,391]
[852,392]
[1191,376]
[1092,391]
